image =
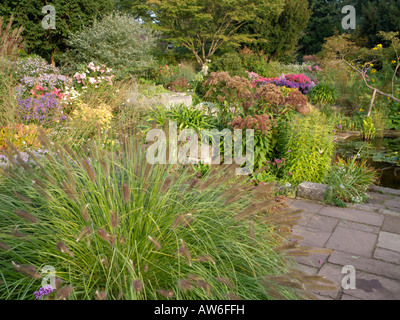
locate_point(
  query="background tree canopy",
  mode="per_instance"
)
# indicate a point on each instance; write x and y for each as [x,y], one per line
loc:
[281,29]
[71,15]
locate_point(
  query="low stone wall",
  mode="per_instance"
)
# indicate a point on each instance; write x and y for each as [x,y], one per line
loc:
[311,191]
[175,99]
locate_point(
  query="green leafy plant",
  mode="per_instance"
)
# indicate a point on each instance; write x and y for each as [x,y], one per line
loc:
[115,227]
[186,117]
[368,129]
[348,181]
[323,94]
[307,144]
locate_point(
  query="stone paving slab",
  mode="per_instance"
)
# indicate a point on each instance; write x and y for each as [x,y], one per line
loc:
[309,206]
[387,255]
[370,265]
[367,286]
[315,260]
[333,273]
[322,222]
[378,198]
[395,203]
[311,236]
[374,287]
[348,297]
[390,241]
[390,212]
[305,218]
[366,217]
[385,190]
[366,237]
[352,241]
[358,226]
[391,224]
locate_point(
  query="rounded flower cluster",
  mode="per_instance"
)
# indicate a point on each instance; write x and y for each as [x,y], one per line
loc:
[271,94]
[299,81]
[43,291]
[94,75]
[101,116]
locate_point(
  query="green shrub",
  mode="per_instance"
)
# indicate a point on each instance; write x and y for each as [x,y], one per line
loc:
[112,225]
[118,41]
[185,117]
[230,62]
[323,94]
[348,182]
[307,145]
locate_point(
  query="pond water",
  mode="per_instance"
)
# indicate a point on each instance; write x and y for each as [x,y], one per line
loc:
[381,153]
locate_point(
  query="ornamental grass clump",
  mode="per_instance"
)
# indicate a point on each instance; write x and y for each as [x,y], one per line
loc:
[114,227]
[348,181]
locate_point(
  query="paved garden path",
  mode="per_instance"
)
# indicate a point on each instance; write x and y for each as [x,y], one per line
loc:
[366,237]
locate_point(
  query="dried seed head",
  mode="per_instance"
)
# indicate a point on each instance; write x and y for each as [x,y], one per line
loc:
[89,170]
[185,285]
[183,250]
[137,285]
[62,247]
[4,246]
[106,236]
[231,296]
[166,293]
[131,263]
[29,271]
[18,234]
[114,219]
[112,239]
[104,165]
[84,213]
[183,218]
[85,231]
[125,192]
[156,243]
[225,281]
[64,292]
[104,262]
[26,216]
[193,277]
[69,191]
[251,230]
[203,284]
[59,281]
[122,240]
[146,268]
[102,295]
[21,197]
[206,258]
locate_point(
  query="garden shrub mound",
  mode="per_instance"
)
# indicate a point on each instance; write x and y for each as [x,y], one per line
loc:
[270,93]
[115,227]
[299,101]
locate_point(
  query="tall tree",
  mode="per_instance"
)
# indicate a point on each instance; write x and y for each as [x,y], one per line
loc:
[379,15]
[202,26]
[278,35]
[70,16]
[324,21]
